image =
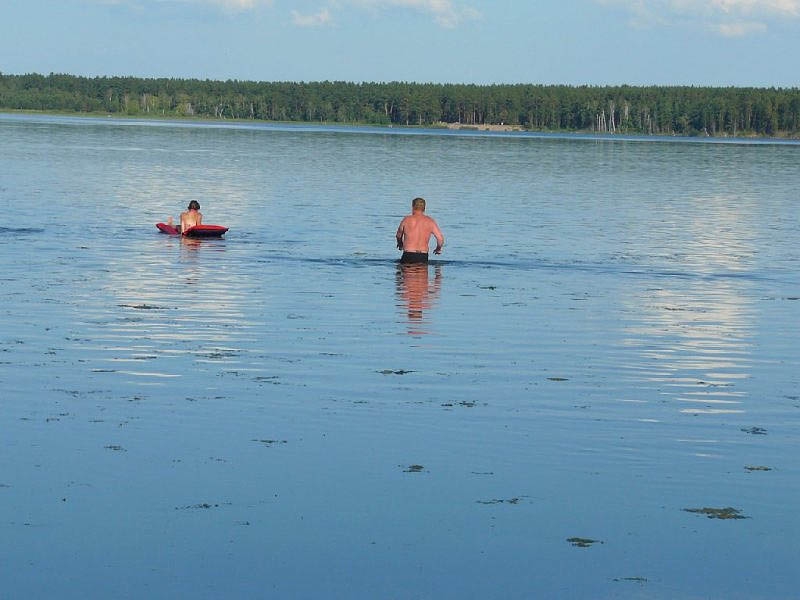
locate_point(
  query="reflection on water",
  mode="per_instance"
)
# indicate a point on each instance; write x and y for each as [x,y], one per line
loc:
[416,294]
[695,332]
[695,342]
[175,303]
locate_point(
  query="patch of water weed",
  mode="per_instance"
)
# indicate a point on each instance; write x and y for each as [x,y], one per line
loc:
[413,469]
[754,430]
[557,379]
[757,468]
[718,513]
[143,306]
[201,506]
[219,354]
[465,403]
[56,418]
[115,448]
[270,442]
[581,542]
[393,372]
[514,500]
[74,393]
[632,579]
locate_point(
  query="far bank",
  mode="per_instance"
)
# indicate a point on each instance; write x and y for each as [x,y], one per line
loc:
[653,110]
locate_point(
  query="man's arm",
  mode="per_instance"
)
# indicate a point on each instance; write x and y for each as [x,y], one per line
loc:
[439,238]
[399,234]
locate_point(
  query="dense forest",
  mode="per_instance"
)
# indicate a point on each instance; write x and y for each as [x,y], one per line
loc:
[658,110]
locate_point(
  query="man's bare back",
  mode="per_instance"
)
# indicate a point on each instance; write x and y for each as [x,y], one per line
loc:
[416,229]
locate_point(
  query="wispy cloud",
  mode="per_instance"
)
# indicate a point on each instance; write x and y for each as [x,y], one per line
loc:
[234,5]
[446,13]
[739,29]
[730,18]
[228,5]
[318,19]
[763,7]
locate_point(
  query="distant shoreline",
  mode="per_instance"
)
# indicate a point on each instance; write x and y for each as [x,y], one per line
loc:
[488,128]
[683,111]
[453,126]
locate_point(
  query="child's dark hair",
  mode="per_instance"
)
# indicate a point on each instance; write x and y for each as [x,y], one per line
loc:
[194,204]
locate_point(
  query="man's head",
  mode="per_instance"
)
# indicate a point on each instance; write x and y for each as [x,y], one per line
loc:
[418,204]
[194,205]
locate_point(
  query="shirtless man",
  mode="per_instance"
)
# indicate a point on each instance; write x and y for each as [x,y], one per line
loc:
[415,232]
[191,216]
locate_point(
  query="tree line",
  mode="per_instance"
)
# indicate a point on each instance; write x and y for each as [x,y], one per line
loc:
[653,110]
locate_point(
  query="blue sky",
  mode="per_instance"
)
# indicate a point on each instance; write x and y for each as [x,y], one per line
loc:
[594,42]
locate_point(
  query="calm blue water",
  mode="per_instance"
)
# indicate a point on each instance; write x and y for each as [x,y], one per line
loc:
[609,339]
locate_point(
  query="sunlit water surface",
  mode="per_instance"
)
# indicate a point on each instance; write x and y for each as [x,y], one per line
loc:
[610,338]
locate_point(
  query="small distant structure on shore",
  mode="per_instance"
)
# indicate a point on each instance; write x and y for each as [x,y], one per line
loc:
[482,127]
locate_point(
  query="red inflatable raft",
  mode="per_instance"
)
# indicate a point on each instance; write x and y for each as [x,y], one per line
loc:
[195,232]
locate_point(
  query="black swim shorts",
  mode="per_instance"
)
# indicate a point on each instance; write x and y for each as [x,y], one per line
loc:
[410,258]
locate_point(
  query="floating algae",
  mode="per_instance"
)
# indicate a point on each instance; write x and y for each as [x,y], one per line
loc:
[757,468]
[633,579]
[143,306]
[413,469]
[755,430]
[718,513]
[465,403]
[270,442]
[580,542]
[202,506]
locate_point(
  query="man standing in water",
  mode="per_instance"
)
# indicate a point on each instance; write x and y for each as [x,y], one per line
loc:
[415,232]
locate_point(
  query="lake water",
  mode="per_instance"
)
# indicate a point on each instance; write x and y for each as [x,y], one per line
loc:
[607,345]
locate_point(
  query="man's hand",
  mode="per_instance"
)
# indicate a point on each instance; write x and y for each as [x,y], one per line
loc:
[399,243]
[437,250]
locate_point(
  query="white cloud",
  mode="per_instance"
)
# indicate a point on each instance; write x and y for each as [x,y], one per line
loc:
[323,17]
[729,18]
[229,5]
[759,7]
[740,29]
[235,5]
[446,13]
